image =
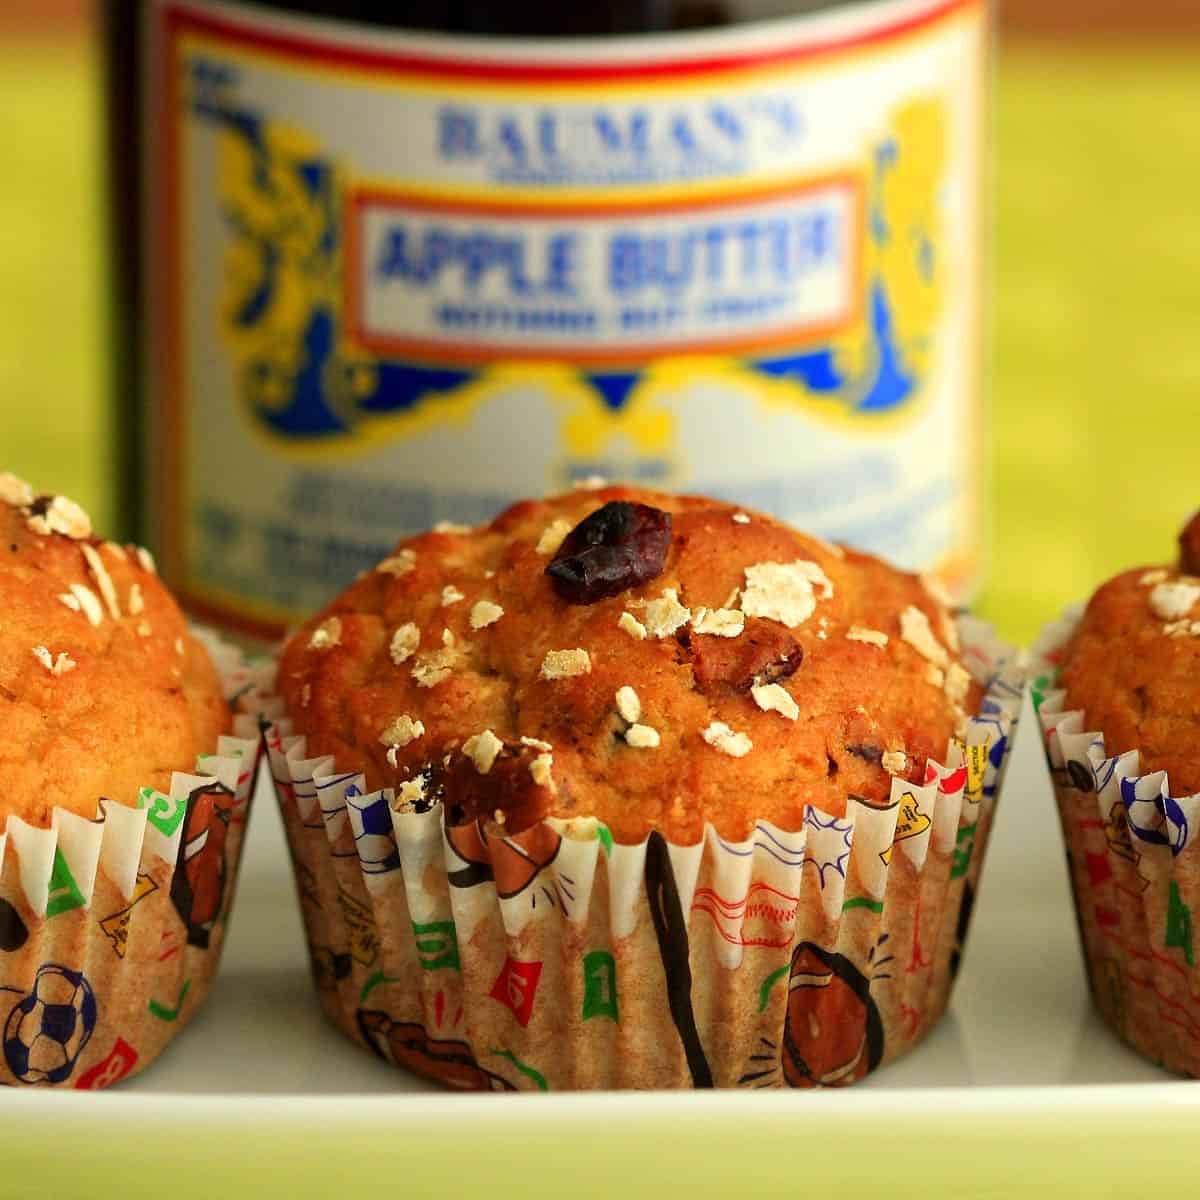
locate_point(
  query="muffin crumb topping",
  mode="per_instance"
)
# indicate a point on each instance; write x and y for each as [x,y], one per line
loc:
[958,683]
[632,626]
[665,615]
[719,622]
[482,749]
[399,563]
[1170,601]
[400,732]
[485,613]
[404,643]
[553,537]
[642,737]
[540,770]
[721,737]
[872,637]
[433,667]
[58,664]
[1183,628]
[629,705]
[60,515]
[15,491]
[563,664]
[327,634]
[411,792]
[784,591]
[916,631]
[87,602]
[103,580]
[774,697]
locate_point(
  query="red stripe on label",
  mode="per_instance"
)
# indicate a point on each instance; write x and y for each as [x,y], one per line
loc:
[295,45]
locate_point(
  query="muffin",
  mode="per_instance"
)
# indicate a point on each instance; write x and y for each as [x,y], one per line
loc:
[116,865]
[1119,701]
[626,789]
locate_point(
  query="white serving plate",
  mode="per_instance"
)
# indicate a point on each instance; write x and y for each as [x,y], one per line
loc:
[1020,1083]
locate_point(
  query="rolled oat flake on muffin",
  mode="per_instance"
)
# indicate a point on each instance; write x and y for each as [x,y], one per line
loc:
[871,637]
[400,563]
[1170,601]
[485,613]
[783,591]
[721,737]
[642,737]
[404,643]
[327,634]
[665,615]
[632,626]
[917,632]
[401,731]
[57,514]
[482,749]
[719,622]
[564,664]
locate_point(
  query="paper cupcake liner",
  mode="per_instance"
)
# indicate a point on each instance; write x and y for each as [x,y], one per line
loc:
[1134,856]
[557,959]
[111,928]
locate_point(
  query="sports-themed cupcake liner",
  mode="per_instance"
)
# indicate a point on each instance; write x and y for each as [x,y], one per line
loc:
[111,928]
[1134,855]
[557,959]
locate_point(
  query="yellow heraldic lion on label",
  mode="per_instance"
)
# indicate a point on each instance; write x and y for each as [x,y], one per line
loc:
[902,244]
[282,200]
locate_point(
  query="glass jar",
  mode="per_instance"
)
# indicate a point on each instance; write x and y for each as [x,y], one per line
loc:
[378,272]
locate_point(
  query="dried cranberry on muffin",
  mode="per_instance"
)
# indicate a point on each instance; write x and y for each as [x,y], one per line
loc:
[117,876]
[103,690]
[684,661]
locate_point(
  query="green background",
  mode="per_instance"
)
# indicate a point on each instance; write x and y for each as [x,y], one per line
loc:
[1095,352]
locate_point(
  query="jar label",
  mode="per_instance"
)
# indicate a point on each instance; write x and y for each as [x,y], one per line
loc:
[400,278]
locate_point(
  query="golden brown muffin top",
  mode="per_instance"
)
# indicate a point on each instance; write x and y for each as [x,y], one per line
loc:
[760,670]
[1133,666]
[102,688]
